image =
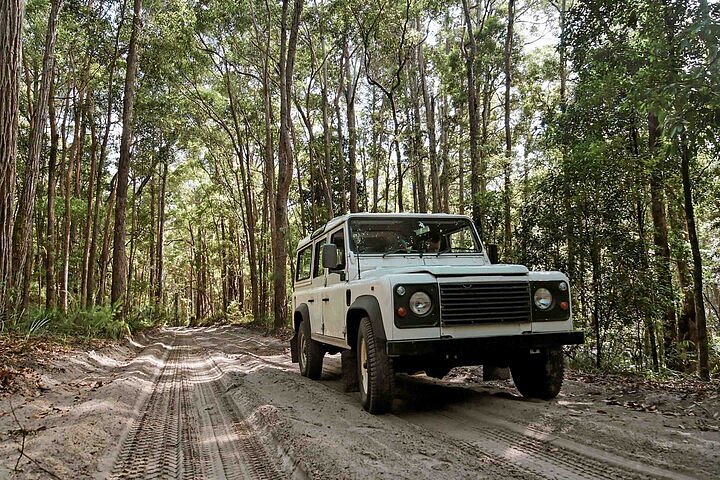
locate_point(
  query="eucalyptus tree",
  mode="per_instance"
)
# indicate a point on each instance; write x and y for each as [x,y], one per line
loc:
[11,20]
[119,271]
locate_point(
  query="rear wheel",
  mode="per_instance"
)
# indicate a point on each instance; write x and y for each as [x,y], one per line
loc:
[539,375]
[311,353]
[375,371]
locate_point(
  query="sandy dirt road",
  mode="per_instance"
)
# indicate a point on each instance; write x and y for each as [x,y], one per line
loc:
[227,403]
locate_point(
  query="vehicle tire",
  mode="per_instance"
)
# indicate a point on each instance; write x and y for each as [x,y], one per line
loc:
[437,372]
[539,375]
[311,353]
[375,371]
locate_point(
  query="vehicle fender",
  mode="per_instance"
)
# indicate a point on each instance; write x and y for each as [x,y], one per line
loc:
[365,306]
[301,314]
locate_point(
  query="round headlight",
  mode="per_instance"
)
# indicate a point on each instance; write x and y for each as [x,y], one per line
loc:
[543,298]
[420,303]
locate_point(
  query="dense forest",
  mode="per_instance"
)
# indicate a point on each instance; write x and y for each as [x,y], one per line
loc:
[160,158]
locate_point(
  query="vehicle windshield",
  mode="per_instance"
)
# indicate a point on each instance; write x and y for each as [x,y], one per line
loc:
[421,235]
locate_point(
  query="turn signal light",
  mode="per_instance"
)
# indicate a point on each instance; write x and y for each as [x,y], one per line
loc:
[564,305]
[401,311]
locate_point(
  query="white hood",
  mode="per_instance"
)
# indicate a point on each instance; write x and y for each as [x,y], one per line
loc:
[447,270]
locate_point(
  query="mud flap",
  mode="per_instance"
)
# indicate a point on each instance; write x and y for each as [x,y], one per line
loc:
[491,372]
[348,358]
[294,348]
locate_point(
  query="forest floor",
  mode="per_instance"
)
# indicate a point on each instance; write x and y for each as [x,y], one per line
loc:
[227,402]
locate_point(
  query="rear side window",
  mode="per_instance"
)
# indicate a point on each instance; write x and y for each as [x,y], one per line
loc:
[338,238]
[317,268]
[304,262]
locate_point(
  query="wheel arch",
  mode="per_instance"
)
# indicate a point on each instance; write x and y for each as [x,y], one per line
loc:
[364,306]
[301,313]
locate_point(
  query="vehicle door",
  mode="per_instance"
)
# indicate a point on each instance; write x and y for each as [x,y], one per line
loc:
[333,296]
[314,301]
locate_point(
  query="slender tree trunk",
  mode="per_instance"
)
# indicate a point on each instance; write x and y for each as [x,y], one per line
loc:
[648,319]
[51,240]
[22,232]
[703,369]
[131,260]
[105,253]
[507,167]
[160,237]
[567,202]
[11,21]
[327,156]
[67,244]
[288,47]
[352,129]
[93,268]
[152,249]
[470,55]
[119,273]
[86,265]
[430,126]
[422,204]
[662,247]
[340,160]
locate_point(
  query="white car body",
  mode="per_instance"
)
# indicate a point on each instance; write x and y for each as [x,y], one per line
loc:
[331,300]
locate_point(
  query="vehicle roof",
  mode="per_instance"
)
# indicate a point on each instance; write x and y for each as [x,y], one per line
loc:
[339,220]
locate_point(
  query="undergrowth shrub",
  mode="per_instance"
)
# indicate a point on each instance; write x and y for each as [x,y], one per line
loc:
[95,322]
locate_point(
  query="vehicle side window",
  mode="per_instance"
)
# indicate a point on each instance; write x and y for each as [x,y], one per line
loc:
[317,268]
[338,238]
[304,262]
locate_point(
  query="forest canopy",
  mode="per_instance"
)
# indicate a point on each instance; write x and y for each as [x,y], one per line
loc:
[159,159]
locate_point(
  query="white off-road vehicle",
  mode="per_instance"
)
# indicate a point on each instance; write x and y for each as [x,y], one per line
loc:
[419,292]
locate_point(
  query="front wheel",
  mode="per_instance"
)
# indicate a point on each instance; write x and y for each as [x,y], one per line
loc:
[539,375]
[375,371]
[311,353]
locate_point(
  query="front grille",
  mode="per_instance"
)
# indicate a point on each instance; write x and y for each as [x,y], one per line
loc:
[497,302]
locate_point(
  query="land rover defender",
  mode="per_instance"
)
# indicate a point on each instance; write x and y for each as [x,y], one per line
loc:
[420,292]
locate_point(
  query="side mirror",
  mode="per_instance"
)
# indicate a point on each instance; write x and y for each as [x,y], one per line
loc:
[492,252]
[329,256]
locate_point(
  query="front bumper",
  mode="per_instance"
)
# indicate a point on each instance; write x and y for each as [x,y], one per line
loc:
[482,345]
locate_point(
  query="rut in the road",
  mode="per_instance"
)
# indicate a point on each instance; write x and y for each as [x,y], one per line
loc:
[190,428]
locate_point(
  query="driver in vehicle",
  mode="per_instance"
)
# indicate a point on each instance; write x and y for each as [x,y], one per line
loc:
[433,244]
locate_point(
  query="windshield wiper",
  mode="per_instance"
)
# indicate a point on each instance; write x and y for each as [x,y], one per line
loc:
[457,250]
[401,251]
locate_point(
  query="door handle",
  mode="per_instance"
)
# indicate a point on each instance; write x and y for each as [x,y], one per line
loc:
[311,300]
[326,299]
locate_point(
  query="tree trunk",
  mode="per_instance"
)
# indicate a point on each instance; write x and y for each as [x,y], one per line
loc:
[288,47]
[352,130]
[472,117]
[507,167]
[86,265]
[22,232]
[703,369]
[119,272]
[131,260]
[326,136]
[647,317]
[422,204]
[11,21]
[65,278]
[662,247]
[430,126]
[160,237]
[91,281]
[51,240]
[105,252]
